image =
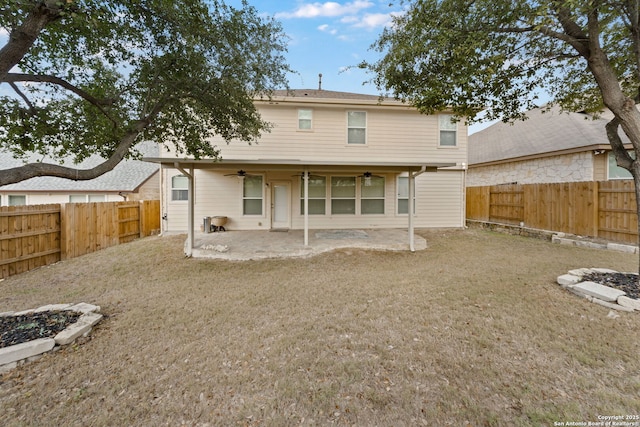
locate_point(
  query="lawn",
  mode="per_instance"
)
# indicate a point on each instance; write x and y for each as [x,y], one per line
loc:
[472,331]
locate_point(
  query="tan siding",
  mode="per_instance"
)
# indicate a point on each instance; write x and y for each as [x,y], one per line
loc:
[439,202]
[600,167]
[398,135]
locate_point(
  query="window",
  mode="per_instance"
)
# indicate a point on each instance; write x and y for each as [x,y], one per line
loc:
[252,195]
[616,172]
[343,195]
[356,127]
[305,119]
[77,198]
[372,195]
[317,195]
[84,198]
[17,200]
[179,188]
[448,131]
[403,195]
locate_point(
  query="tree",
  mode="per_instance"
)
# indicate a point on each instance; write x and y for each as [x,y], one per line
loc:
[79,77]
[472,55]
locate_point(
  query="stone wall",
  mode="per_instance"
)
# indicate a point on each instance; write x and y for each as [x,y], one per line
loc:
[567,168]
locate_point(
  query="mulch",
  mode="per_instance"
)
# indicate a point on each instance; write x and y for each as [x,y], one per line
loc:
[627,282]
[31,326]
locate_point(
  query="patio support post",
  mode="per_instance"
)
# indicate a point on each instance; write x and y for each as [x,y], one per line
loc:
[412,201]
[410,210]
[306,207]
[190,213]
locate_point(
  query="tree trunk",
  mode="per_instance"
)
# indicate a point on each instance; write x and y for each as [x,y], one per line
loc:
[22,37]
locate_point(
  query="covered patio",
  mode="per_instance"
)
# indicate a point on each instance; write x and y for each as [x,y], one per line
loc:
[262,244]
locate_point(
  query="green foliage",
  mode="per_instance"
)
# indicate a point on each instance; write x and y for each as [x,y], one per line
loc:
[163,70]
[496,54]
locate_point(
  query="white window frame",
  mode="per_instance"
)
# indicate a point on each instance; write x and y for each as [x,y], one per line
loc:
[364,199]
[324,198]
[350,126]
[247,198]
[301,120]
[182,190]
[354,198]
[452,128]
[12,197]
[88,198]
[611,160]
[398,198]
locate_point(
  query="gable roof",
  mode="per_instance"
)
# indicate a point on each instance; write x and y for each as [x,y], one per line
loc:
[544,133]
[323,94]
[127,176]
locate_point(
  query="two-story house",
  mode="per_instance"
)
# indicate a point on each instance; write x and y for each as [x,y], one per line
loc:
[333,160]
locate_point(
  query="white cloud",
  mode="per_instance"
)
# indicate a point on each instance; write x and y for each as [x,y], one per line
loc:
[330,8]
[371,20]
[326,29]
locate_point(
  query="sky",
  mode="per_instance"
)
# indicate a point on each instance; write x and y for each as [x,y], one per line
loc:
[329,37]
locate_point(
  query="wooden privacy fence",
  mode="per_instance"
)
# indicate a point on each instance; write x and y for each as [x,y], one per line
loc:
[33,236]
[605,209]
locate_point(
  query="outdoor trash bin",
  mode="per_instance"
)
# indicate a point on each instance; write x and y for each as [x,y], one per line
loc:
[207,224]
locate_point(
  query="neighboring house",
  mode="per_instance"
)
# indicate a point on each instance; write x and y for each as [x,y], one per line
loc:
[129,180]
[362,155]
[549,147]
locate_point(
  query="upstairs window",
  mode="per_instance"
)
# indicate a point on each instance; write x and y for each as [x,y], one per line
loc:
[179,188]
[448,131]
[252,195]
[356,127]
[305,119]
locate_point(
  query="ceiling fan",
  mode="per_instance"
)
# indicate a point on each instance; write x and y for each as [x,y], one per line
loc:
[367,178]
[241,174]
[309,174]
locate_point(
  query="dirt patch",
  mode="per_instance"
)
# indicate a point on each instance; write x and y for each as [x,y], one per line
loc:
[473,330]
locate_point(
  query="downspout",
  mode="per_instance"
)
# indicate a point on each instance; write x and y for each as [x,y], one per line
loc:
[306,207]
[412,196]
[464,196]
[190,213]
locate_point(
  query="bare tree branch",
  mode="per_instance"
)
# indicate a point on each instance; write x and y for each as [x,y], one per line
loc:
[31,170]
[22,95]
[43,78]
[22,38]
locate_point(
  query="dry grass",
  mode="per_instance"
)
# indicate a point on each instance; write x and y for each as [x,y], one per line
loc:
[473,330]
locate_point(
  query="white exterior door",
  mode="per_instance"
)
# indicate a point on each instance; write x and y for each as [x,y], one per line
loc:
[280,205]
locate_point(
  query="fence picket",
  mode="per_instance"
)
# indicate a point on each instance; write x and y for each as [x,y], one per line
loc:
[38,235]
[604,209]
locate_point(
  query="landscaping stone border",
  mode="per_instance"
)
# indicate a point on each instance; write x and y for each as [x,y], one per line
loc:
[605,296]
[12,355]
[553,236]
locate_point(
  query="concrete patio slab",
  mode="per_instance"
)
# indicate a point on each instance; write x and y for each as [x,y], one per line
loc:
[251,245]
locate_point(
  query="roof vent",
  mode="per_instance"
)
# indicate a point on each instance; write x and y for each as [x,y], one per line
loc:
[320,81]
